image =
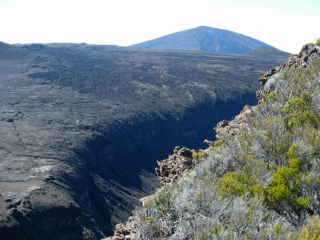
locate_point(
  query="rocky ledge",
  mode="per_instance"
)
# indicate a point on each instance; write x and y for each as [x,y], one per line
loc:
[307,55]
[125,231]
[177,164]
[232,128]
[168,171]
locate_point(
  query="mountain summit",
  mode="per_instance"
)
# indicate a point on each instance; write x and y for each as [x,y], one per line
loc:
[206,39]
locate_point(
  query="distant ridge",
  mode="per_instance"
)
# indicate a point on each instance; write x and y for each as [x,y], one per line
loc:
[209,40]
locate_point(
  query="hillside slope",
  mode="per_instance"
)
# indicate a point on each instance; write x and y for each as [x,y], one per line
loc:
[82,126]
[258,180]
[208,40]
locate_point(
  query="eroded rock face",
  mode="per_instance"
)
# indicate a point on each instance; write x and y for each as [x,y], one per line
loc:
[81,128]
[169,171]
[125,231]
[177,164]
[232,128]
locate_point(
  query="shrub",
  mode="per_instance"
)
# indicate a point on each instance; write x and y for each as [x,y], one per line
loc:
[215,233]
[156,221]
[271,96]
[286,186]
[216,145]
[318,42]
[311,231]
[233,184]
[162,202]
[299,112]
[199,155]
[283,184]
[236,184]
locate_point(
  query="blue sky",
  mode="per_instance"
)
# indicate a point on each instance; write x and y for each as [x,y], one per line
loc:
[282,23]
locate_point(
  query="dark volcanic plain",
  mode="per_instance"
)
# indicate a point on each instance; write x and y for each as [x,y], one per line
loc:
[81,128]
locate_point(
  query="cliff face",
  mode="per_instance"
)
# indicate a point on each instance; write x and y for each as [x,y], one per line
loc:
[258,180]
[82,127]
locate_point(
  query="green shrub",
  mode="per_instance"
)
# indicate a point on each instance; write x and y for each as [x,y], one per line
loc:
[286,184]
[199,155]
[282,185]
[272,96]
[162,202]
[215,233]
[311,231]
[235,184]
[216,145]
[150,219]
[299,112]
[318,42]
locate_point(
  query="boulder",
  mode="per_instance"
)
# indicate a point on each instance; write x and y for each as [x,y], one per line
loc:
[172,168]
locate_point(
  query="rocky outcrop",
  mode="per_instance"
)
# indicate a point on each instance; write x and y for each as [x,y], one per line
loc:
[307,55]
[169,171]
[125,231]
[177,164]
[231,128]
[264,77]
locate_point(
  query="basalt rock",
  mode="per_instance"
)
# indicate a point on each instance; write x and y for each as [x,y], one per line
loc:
[172,168]
[307,55]
[125,231]
[232,128]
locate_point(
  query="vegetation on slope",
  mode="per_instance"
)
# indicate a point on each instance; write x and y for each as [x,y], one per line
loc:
[261,182]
